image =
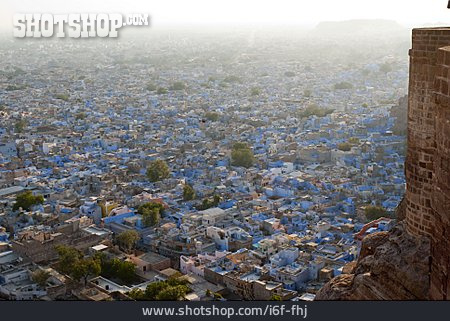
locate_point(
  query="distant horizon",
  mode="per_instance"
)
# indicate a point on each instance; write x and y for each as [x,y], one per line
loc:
[275,26]
[247,13]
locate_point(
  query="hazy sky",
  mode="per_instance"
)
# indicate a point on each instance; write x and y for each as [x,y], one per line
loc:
[232,12]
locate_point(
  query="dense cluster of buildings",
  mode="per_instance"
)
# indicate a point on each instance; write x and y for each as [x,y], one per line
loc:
[80,126]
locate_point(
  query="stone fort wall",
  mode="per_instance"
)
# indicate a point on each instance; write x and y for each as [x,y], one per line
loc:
[428,158]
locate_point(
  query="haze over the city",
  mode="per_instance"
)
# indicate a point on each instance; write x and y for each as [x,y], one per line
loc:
[234,150]
[236,12]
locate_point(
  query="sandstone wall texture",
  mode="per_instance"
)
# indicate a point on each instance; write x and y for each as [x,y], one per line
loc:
[440,238]
[421,128]
[428,158]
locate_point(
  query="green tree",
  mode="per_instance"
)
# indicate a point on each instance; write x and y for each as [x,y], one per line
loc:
[212,116]
[255,91]
[353,140]
[26,200]
[172,293]
[64,97]
[275,297]
[345,147]
[375,212]
[80,116]
[151,213]
[68,257]
[314,110]
[208,203]
[72,262]
[205,205]
[343,85]
[169,290]
[153,289]
[178,85]
[188,193]
[126,271]
[151,87]
[161,91]
[150,217]
[127,239]
[151,205]
[158,170]
[216,200]
[116,268]
[40,277]
[137,294]
[20,125]
[85,268]
[242,155]
[240,145]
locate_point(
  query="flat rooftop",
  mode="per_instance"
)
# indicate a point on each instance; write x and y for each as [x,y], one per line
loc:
[152,257]
[11,190]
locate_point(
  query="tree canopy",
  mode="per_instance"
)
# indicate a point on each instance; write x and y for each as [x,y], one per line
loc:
[158,170]
[72,262]
[151,213]
[85,268]
[62,96]
[255,91]
[151,87]
[212,116]
[26,200]
[40,277]
[68,256]
[345,147]
[343,85]
[172,289]
[353,140]
[127,239]
[375,212]
[208,203]
[242,155]
[20,125]
[188,192]
[314,110]
[80,116]
[275,297]
[161,91]
[178,85]
[116,269]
